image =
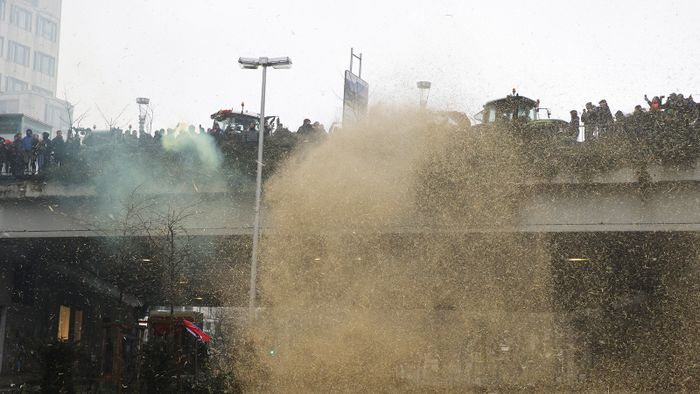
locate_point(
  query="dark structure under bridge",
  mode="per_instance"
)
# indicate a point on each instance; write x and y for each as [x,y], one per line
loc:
[621,275]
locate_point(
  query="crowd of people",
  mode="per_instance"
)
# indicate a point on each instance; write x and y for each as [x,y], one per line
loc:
[599,121]
[36,153]
[33,153]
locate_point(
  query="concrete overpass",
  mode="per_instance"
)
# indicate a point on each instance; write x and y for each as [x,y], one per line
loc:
[43,216]
[47,210]
[668,200]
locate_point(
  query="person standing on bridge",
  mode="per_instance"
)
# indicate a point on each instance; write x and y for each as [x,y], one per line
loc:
[306,127]
[620,125]
[281,130]
[59,146]
[589,117]
[27,148]
[72,145]
[36,148]
[574,123]
[43,151]
[18,165]
[605,117]
[655,103]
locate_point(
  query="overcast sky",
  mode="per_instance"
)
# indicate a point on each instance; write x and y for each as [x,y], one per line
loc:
[183,54]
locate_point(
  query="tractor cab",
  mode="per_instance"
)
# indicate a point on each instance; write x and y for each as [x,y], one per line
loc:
[515,108]
[511,108]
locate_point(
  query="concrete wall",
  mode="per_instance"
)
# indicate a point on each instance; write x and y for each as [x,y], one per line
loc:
[77,216]
[610,202]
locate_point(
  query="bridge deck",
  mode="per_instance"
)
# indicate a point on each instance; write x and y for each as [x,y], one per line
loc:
[669,200]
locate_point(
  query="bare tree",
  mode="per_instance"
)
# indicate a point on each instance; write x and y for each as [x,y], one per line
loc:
[151,246]
[111,122]
[69,117]
[148,251]
[131,266]
[171,247]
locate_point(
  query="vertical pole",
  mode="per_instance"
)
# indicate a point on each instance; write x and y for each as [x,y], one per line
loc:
[352,55]
[142,120]
[258,189]
[359,72]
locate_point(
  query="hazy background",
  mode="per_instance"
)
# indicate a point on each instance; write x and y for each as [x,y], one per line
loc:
[183,54]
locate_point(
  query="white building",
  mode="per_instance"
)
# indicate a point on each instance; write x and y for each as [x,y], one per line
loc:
[29,43]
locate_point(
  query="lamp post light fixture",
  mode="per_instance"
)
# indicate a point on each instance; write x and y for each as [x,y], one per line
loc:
[424,87]
[253,63]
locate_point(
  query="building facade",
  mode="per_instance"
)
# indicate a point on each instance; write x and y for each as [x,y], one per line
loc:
[29,50]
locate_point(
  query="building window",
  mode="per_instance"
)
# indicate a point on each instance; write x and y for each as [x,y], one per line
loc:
[63,323]
[21,18]
[78,325]
[3,6]
[46,28]
[44,63]
[42,91]
[18,53]
[2,46]
[15,85]
[20,294]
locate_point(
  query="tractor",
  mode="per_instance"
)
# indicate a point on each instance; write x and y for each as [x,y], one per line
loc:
[242,125]
[514,109]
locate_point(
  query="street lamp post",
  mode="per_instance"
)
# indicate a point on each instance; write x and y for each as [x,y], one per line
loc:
[143,113]
[252,63]
[424,87]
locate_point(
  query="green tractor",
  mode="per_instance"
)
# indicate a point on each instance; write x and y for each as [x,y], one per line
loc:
[515,109]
